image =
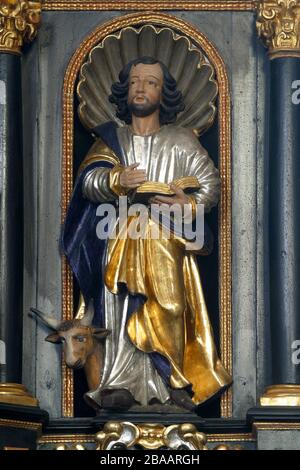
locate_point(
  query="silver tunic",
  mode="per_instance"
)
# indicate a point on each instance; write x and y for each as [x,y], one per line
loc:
[170,153]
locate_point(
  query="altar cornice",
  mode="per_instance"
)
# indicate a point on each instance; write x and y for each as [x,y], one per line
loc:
[152,5]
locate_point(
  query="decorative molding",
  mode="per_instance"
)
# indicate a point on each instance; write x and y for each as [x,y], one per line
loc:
[67,439]
[67,373]
[113,431]
[150,436]
[275,427]
[116,435]
[15,448]
[152,5]
[224,118]
[228,447]
[11,423]
[242,437]
[90,438]
[278,25]
[19,22]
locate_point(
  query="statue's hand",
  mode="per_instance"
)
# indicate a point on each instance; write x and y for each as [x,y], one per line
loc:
[131,178]
[179,197]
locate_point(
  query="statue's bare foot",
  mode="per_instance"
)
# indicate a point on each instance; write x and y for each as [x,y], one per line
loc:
[181,398]
[118,400]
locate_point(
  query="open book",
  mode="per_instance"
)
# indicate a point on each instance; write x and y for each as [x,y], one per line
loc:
[149,189]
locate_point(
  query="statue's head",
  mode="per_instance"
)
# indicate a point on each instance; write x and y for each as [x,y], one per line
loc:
[145,86]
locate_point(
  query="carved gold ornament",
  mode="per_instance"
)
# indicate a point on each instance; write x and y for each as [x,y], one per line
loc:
[150,436]
[125,435]
[19,21]
[278,25]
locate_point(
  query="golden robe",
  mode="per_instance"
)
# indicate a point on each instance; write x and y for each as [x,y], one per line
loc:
[173,321]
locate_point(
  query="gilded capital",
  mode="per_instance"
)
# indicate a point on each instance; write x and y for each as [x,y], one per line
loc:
[19,21]
[278,25]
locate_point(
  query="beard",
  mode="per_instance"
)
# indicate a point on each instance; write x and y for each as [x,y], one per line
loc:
[143,109]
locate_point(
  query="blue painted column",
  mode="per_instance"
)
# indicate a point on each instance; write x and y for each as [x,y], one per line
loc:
[11,221]
[278,26]
[18,23]
[284,207]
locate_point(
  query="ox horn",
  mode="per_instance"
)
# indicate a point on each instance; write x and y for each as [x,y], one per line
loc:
[51,322]
[88,315]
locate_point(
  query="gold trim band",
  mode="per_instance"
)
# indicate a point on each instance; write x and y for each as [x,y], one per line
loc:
[66,438]
[275,426]
[88,438]
[187,5]
[199,39]
[20,424]
[285,54]
[96,158]
[246,437]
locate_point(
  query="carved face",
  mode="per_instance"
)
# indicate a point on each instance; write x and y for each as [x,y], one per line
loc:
[145,87]
[78,343]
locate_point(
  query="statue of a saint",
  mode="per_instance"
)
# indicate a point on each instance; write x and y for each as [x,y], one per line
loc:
[147,292]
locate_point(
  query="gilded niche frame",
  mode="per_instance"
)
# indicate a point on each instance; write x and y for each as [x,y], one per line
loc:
[224,137]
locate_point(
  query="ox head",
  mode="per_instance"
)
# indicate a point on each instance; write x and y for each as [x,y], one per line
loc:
[78,337]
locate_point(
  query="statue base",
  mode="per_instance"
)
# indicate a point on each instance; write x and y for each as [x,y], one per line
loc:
[16,394]
[281,395]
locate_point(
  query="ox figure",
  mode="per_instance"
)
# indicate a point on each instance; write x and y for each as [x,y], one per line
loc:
[82,343]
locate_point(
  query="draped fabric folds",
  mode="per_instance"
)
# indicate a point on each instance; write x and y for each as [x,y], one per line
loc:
[170,320]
